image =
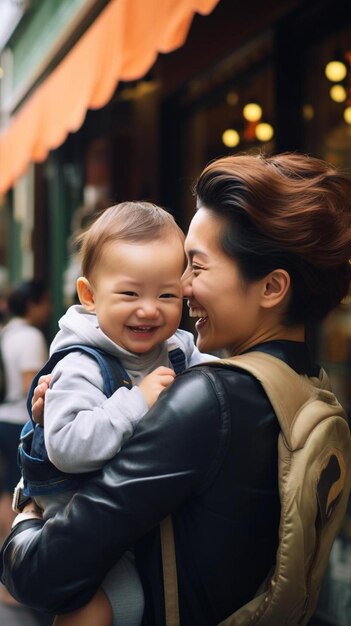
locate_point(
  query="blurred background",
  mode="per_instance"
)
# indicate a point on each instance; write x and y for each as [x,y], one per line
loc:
[105,101]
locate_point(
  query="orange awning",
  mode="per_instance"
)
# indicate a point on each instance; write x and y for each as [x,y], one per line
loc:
[122,44]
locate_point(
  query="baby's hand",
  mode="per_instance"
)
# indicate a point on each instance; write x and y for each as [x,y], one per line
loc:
[30,511]
[39,399]
[154,383]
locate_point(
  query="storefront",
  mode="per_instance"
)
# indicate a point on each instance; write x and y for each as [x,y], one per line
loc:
[154,134]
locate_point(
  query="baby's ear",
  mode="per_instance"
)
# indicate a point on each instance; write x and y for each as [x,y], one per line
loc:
[85,293]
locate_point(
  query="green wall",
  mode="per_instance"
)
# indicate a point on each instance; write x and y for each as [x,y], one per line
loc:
[44,23]
[59,218]
[15,253]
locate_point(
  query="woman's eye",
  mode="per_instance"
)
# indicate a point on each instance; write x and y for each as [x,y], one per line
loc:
[195,267]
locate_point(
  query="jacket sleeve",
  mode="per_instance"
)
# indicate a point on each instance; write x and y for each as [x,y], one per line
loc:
[57,566]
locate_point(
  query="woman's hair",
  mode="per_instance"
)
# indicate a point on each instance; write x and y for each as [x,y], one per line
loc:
[27,292]
[288,211]
[132,222]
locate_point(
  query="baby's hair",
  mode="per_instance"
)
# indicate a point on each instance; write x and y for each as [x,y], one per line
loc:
[132,222]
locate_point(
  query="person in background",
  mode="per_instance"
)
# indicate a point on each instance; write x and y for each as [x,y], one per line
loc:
[268,252]
[23,351]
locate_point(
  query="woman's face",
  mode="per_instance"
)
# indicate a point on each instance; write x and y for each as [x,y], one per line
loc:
[228,308]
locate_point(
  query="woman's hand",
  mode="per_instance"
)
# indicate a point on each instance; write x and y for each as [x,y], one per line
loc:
[39,399]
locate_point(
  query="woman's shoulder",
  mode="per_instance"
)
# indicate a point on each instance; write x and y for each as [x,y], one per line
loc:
[213,384]
[194,408]
[229,384]
[219,370]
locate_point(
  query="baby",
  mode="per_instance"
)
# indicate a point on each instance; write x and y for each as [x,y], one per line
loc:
[131,303]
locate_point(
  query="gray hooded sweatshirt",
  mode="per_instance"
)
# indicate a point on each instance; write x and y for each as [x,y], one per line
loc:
[84,428]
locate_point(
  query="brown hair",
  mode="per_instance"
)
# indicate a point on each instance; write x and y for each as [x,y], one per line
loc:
[134,222]
[290,211]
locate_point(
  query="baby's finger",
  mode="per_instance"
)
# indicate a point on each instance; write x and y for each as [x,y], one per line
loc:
[45,378]
[39,392]
[162,370]
[38,411]
[167,380]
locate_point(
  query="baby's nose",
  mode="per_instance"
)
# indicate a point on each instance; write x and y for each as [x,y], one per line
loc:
[149,310]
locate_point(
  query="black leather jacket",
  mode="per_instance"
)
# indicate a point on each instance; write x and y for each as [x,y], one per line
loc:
[205,452]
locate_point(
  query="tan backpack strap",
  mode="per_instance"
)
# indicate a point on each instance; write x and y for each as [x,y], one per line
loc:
[170,582]
[300,404]
[275,376]
[288,393]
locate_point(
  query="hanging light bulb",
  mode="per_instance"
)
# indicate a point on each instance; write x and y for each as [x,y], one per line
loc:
[347,115]
[264,131]
[308,112]
[232,98]
[231,138]
[252,112]
[338,93]
[335,71]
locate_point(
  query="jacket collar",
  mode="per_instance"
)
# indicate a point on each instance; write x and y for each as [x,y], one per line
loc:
[294,353]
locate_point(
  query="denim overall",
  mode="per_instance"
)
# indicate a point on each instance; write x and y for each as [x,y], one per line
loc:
[40,476]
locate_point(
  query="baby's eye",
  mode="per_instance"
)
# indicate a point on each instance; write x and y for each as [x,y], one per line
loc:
[132,294]
[168,295]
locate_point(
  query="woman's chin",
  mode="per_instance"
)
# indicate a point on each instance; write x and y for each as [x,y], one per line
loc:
[203,340]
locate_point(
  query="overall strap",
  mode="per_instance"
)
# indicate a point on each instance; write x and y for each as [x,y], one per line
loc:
[113,373]
[177,358]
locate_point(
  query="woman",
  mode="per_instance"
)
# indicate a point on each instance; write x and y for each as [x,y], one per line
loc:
[268,251]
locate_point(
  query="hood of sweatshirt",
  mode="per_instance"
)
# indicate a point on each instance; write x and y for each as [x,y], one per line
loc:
[78,326]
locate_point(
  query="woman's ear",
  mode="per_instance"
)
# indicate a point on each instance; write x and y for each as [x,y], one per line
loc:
[276,288]
[85,293]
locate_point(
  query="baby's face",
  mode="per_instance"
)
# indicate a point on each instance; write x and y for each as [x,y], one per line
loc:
[137,292]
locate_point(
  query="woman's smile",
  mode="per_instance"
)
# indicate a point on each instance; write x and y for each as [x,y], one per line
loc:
[196,311]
